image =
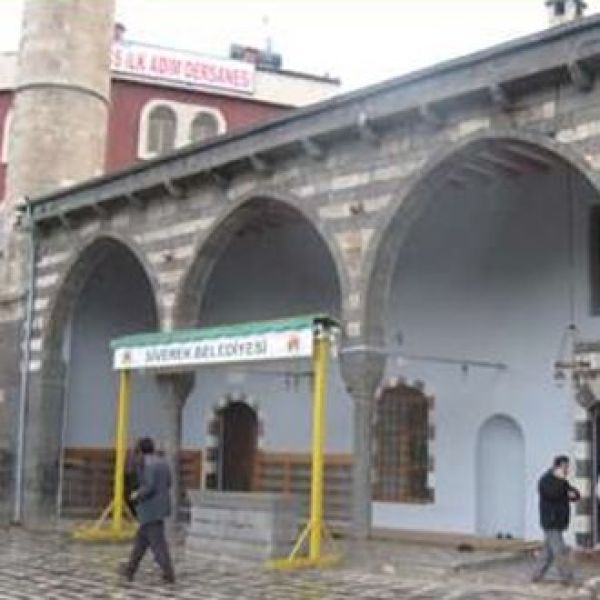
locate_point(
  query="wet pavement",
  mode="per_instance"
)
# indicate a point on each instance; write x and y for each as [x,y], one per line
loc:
[53,567]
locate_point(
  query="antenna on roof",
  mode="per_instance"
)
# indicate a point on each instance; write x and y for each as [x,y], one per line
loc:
[268,38]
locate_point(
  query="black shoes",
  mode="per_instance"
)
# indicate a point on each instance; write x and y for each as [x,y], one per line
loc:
[125,573]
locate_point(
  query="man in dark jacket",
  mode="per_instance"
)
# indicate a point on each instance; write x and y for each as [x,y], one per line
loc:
[555,495]
[152,501]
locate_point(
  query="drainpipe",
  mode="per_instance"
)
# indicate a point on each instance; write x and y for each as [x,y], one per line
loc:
[24,386]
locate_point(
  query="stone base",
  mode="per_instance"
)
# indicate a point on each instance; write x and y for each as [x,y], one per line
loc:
[251,526]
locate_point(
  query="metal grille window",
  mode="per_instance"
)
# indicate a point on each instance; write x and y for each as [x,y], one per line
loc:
[401,458]
[204,126]
[162,130]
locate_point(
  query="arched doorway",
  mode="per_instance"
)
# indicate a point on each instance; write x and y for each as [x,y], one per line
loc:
[238,436]
[500,478]
[106,294]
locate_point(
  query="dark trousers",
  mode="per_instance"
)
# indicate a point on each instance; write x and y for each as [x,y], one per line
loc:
[151,535]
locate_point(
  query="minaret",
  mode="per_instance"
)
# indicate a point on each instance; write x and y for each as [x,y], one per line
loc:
[57,138]
[61,100]
[564,11]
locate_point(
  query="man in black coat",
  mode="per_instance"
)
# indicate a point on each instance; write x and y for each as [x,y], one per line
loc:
[555,495]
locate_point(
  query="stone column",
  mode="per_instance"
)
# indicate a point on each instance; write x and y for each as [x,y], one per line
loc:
[362,369]
[43,442]
[174,388]
[61,96]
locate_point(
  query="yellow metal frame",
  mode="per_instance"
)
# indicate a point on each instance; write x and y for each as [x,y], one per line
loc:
[315,531]
[121,526]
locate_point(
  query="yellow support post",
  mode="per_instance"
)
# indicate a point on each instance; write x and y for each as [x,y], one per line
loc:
[315,529]
[321,363]
[121,449]
[119,530]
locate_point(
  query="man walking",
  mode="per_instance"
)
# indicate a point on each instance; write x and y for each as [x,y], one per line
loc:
[555,494]
[152,501]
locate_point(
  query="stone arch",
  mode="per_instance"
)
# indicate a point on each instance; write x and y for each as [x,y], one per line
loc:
[48,391]
[500,477]
[211,246]
[211,448]
[396,221]
[76,274]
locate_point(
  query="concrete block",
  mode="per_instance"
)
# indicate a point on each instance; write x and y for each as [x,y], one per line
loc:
[246,525]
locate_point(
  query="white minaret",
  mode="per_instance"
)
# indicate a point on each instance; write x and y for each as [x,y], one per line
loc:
[564,11]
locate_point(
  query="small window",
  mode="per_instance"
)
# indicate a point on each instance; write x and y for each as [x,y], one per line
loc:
[204,126]
[401,434]
[162,130]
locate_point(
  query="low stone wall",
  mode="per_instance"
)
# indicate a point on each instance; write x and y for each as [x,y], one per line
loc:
[243,524]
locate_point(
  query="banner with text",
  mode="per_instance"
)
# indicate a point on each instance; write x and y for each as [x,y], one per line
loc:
[275,345]
[182,67]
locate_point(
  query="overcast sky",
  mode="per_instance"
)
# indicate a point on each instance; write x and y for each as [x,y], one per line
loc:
[360,41]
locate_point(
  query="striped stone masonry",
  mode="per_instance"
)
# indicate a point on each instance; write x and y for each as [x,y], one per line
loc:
[582,446]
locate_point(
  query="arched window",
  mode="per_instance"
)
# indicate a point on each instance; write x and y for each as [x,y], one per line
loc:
[204,126]
[401,435]
[162,130]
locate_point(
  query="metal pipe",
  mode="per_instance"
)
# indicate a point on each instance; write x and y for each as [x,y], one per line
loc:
[64,423]
[467,362]
[484,364]
[24,387]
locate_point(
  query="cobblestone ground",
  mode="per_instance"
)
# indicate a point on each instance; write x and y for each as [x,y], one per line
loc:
[53,567]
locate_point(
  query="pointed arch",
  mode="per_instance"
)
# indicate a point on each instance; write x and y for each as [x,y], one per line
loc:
[424,189]
[254,210]
[74,279]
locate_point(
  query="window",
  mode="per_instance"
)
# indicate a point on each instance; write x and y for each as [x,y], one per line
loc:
[166,125]
[401,434]
[204,126]
[162,130]
[5,137]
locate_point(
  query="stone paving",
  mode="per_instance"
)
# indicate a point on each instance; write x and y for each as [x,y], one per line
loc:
[52,567]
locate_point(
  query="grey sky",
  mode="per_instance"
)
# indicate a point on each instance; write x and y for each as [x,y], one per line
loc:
[360,41]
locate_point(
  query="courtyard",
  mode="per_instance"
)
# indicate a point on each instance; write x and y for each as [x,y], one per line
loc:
[51,566]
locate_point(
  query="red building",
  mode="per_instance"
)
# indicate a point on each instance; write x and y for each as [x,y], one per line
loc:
[162,99]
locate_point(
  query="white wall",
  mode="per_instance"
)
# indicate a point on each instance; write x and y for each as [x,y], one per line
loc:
[485,276]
